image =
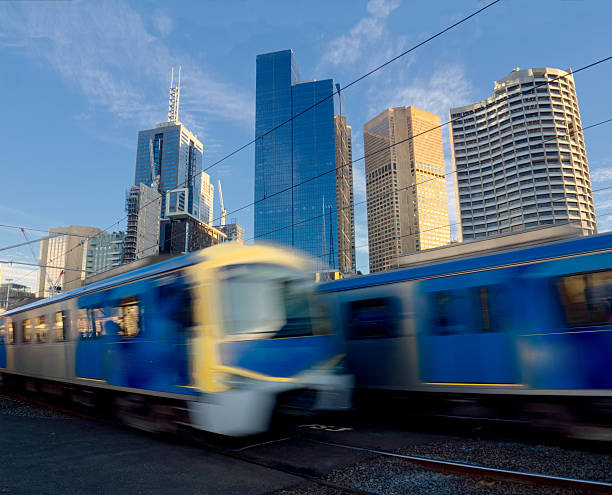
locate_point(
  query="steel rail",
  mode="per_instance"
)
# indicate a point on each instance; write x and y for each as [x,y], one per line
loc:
[484,471]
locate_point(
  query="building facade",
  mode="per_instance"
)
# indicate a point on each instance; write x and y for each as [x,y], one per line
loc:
[405,185]
[169,160]
[344,196]
[233,231]
[143,208]
[172,154]
[12,294]
[105,251]
[520,158]
[63,259]
[184,234]
[295,164]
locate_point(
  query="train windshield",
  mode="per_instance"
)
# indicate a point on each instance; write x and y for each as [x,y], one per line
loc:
[269,301]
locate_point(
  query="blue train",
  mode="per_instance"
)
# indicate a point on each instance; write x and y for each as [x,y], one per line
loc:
[531,324]
[218,339]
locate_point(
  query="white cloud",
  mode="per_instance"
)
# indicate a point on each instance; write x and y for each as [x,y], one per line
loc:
[361,39]
[382,8]
[107,53]
[162,22]
[600,175]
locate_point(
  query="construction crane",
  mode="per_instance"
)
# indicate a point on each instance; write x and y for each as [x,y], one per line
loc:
[223,210]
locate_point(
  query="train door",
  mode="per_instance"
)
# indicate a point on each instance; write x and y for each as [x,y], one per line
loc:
[377,350]
[89,347]
[3,326]
[465,329]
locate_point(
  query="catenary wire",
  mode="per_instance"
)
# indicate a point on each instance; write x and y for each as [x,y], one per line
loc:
[418,231]
[438,34]
[536,86]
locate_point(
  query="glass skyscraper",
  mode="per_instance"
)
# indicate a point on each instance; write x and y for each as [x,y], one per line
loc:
[297,201]
[174,154]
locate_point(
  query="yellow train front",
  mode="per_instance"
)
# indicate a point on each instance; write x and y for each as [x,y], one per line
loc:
[218,339]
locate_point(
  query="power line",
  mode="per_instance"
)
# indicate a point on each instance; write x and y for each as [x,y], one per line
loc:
[410,138]
[5,262]
[438,34]
[360,78]
[553,138]
[39,230]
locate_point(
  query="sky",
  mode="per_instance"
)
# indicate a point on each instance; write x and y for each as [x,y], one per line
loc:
[80,78]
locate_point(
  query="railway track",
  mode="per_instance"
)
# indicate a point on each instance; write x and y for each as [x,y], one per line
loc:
[474,470]
[249,454]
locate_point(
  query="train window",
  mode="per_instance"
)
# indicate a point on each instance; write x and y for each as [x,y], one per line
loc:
[92,323]
[587,298]
[2,332]
[84,324]
[61,326]
[41,328]
[372,319]
[465,310]
[129,317]
[26,330]
[10,332]
[275,302]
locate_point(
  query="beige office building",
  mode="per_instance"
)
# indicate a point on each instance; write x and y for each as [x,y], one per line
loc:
[63,259]
[520,157]
[405,185]
[345,211]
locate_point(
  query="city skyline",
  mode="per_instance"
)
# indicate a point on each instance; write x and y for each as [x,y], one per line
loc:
[452,83]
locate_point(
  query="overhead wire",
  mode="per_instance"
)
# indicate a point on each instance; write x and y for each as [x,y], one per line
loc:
[369,73]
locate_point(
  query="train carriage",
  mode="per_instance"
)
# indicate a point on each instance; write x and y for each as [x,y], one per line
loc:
[226,335]
[528,323]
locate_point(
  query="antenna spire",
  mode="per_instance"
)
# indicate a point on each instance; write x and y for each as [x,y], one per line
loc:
[175,95]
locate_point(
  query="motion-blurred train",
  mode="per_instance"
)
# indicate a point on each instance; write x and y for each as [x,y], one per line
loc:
[528,329]
[218,339]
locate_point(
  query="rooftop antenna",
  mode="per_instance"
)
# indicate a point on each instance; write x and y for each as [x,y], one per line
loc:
[175,95]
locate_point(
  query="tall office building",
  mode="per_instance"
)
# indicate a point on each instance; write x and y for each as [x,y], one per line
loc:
[105,251]
[169,159]
[143,208]
[344,196]
[405,185]
[234,232]
[63,259]
[520,156]
[309,216]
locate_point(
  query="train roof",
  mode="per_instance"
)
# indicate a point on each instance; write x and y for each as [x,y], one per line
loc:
[472,262]
[147,271]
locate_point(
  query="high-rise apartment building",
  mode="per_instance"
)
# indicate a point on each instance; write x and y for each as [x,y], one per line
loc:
[405,185]
[520,158]
[104,251]
[296,172]
[63,259]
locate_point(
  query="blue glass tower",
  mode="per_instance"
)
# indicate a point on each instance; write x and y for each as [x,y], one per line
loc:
[303,216]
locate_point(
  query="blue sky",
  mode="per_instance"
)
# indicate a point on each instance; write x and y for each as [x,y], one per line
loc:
[80,78]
